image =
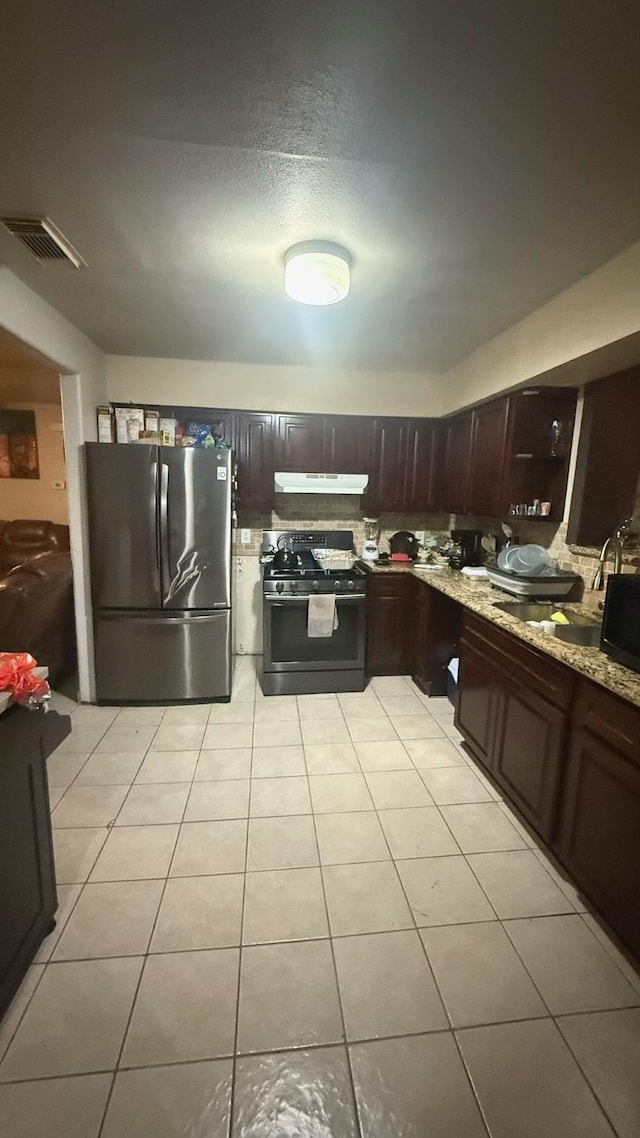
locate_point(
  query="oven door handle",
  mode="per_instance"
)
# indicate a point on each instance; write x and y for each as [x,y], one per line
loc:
[278,598]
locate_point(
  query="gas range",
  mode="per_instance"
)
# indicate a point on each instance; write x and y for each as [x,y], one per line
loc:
[295,659]
[310,576]
[303,582]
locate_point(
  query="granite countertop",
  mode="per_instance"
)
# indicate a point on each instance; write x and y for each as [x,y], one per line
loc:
[480,597]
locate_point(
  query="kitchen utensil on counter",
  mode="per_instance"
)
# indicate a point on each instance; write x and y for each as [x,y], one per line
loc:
[404,542]
[370,550]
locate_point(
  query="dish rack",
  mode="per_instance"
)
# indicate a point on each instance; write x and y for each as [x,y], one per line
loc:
[554,585]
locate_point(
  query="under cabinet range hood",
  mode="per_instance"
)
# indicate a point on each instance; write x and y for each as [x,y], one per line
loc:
[286,483]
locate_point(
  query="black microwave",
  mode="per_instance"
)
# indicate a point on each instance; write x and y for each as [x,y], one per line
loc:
[621,621]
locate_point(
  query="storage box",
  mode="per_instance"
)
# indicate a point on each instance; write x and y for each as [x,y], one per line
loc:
[167,429]
[129,423]
[152,421]
[105,425]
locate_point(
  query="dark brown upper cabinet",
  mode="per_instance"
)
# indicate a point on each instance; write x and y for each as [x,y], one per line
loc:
[402,465]
[387,477]
[346,448]
[420,470]
[487,462]
[300,443]
[538,449]
[255,455]
[455,453]
[608,464]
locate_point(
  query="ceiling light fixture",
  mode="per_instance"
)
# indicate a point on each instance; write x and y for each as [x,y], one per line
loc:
[317,272]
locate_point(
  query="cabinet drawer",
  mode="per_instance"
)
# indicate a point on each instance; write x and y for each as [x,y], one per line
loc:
[611,718]
[550,680]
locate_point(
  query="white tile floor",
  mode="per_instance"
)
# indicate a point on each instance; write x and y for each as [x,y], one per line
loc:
[309,917]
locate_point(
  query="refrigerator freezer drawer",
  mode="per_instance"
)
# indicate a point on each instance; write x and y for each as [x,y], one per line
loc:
[149,657]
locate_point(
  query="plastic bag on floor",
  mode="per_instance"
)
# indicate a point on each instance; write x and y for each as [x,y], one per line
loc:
[18,677]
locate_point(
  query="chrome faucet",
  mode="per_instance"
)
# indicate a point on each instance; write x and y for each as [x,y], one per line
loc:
[615,544]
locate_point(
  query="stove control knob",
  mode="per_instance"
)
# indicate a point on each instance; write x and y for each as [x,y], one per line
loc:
[315,586]
[336,585]
[351,584]
[293,585]
[279,586]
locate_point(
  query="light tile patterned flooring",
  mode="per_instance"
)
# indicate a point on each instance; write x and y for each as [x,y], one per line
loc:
[309,917]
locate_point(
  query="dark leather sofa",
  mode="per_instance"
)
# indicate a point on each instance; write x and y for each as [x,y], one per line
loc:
[36,594]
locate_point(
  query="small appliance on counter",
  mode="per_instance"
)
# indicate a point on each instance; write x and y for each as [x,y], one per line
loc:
[370,550]
[404,546]
[465,548]
[621,621]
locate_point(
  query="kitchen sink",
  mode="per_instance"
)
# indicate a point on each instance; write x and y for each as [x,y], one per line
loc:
[582,630]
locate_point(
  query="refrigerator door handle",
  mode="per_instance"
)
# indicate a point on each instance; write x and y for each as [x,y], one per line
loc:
[153,508]
[164,526]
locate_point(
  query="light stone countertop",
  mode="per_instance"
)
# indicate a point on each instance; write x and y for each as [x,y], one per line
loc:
[480,597]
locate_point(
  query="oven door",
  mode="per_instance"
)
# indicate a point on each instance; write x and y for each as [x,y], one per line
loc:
[287,648]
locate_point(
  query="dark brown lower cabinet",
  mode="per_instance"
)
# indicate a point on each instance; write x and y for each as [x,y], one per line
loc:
[476,704]
[600,825]
[528,749]
[389,624]
[567,754]
[28,898]
[435,629]
[512,710]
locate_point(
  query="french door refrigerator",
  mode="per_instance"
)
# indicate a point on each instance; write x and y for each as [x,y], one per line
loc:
[160,542]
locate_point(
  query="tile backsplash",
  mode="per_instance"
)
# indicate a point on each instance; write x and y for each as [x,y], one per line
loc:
[577,559]
[319,511]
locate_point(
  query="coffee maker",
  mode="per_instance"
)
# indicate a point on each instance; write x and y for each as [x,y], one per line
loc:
[470,548]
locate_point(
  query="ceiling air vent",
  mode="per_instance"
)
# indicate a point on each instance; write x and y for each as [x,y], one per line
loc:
[42,238]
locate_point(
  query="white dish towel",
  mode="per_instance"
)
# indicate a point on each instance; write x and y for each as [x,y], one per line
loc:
[322,615]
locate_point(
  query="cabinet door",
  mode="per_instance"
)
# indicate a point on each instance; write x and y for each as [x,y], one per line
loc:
[435,625]
[456,453]
[476,704]
[487,466]
[300,443]
[388,626]
[346,444]
[388,462]
[28,897]
[600,835]
[528,748]
[421,453]
[255,453]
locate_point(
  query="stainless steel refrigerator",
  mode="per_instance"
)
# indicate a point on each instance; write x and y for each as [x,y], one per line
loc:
[160,539]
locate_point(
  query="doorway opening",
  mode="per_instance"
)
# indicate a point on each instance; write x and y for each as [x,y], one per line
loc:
[36,576]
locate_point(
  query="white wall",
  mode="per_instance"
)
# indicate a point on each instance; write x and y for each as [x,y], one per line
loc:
[83,386]
[267,387]
[36,497]
[602,309]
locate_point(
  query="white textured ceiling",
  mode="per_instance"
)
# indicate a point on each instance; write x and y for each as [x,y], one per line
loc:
[476,158]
